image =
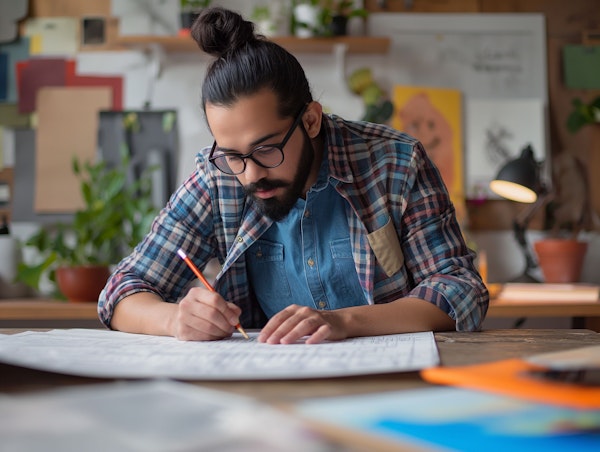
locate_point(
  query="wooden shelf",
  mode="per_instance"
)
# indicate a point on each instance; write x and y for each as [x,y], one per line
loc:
[43,309]
[355,44]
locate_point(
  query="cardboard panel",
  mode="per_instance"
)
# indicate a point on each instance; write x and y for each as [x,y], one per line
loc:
[67,128]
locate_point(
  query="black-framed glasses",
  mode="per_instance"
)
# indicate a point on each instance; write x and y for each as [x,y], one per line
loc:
[267,156]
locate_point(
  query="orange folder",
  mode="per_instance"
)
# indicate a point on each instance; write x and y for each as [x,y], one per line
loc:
[512,378]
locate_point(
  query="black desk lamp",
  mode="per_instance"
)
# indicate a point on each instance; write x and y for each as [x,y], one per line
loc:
[519,180]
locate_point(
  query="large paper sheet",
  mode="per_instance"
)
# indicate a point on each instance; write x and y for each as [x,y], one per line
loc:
[113,354]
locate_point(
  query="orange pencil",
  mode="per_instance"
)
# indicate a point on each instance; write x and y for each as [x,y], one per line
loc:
[201,277]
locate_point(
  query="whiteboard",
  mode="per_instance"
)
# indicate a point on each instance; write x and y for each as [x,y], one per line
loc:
[483,55]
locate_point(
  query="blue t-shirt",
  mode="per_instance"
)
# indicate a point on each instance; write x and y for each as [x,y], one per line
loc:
[306,258]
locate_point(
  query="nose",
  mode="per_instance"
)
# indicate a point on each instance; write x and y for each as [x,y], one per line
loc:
[253,172]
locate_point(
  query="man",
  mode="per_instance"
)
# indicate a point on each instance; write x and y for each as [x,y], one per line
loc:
[324,228]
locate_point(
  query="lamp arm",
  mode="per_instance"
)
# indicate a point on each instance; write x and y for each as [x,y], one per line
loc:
[521,222]
[525,216]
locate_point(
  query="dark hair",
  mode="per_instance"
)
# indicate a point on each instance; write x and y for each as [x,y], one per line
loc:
[246,62]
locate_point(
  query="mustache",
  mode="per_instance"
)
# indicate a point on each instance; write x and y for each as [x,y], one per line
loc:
[264,184]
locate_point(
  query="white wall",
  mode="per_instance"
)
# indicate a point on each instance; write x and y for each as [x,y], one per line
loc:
[179,88]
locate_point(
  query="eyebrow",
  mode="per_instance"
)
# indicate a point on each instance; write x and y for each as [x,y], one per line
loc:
[252,145]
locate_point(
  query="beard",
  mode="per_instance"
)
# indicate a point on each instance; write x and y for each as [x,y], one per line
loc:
[277,208]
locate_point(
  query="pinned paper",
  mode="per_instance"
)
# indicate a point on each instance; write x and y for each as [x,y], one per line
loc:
[7,147]
[3,75]
[16,51]
[53,35]
[35,74]
[35,44]
[10,117]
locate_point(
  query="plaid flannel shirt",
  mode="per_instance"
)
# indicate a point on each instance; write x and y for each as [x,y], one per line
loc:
[405,236]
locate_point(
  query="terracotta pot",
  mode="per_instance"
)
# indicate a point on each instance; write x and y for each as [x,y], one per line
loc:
[561,260]
[82,284]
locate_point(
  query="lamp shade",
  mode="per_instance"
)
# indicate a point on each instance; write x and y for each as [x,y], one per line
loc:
[519,179]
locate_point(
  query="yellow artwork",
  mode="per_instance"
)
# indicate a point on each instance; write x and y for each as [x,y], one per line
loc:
[433,116]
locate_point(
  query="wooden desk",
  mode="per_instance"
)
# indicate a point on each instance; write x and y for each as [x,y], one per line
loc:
[45,313]
[455,349]
[583,314]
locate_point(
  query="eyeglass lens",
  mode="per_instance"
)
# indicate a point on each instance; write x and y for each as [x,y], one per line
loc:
[265,156]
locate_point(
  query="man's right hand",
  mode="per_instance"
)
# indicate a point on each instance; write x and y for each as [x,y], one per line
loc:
[203,315]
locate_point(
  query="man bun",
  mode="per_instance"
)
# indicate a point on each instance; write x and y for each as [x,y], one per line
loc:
[219,31]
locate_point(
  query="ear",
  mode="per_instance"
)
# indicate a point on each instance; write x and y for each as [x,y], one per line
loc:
[312,119]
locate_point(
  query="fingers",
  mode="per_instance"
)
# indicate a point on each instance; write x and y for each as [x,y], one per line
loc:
[294,323]
[204,315]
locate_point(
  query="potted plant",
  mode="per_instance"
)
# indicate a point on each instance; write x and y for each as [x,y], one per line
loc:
[263,18]
[568,213]
[115,217]
[190,9]
[337,13]
[307,18]
[570,209]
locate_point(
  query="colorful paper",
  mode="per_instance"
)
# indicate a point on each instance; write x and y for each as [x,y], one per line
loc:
[114,83]
[513,377]
[3,76]
[17,51]
[434,117]
[35,74]
[453,419]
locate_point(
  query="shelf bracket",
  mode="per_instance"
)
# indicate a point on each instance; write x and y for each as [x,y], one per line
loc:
[340,50]
[156,56]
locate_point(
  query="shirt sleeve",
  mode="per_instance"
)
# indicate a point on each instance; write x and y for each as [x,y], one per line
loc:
[154,265]
[438,259]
